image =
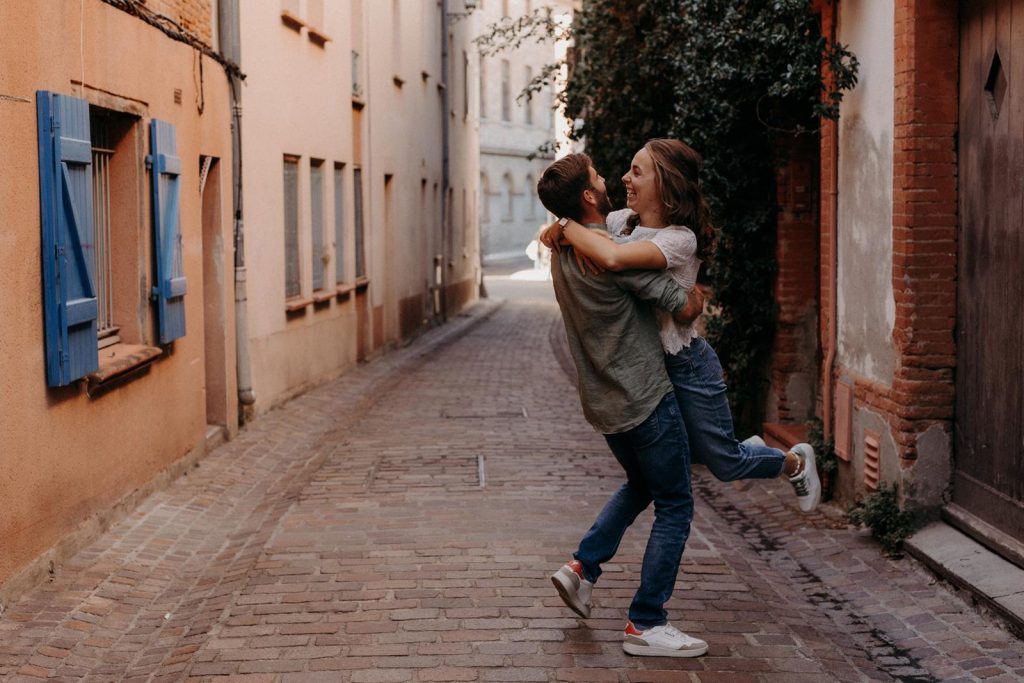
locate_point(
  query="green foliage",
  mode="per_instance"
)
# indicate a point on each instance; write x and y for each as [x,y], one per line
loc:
[735,80]
[888,523]
[826,459]
[824,449]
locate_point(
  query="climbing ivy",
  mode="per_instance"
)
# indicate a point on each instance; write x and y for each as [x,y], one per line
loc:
[735,80]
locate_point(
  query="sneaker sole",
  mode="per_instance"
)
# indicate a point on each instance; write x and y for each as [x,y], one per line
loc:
[566,593]
[652,651]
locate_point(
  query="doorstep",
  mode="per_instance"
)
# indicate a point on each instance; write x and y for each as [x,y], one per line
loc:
[991,580]
[784,436]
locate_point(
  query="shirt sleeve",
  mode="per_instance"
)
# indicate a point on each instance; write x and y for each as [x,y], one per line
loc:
[678,246]
[616,221]
[655,286]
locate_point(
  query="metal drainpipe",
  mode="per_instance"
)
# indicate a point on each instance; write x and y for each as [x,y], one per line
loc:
[833,267]
[445,165]
[230,42]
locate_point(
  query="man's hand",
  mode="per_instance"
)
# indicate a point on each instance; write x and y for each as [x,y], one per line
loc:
[694,307]
[586,264]
[551,236]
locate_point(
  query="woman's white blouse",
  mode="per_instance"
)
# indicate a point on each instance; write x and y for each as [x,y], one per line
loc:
[679,245]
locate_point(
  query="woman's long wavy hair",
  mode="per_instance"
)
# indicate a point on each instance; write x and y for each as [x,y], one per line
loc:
[677,176]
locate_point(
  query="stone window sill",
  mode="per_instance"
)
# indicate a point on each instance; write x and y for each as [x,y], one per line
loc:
[118,364]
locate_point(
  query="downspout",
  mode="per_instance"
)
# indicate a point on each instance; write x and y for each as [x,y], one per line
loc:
[445,165]
[833,266]
[230,41]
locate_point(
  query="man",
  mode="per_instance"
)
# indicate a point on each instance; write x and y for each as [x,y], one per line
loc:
[627,396]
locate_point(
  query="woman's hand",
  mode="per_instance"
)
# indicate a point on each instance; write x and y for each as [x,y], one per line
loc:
[695,300]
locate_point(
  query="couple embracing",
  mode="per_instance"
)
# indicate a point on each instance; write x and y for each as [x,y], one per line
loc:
[626,284]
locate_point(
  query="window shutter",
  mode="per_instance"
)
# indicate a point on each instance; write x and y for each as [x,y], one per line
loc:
[169,288]
[65,199]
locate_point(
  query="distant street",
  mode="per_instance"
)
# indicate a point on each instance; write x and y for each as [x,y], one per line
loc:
[399,524]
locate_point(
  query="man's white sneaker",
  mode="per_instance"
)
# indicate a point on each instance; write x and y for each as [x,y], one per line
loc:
[745,484]
[661,641]
[574,590]
[805,482]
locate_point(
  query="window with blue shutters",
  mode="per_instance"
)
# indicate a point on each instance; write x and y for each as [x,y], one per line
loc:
[169,285]
[65,199]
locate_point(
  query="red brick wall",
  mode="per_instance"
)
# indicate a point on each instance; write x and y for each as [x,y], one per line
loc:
[924,218]
[924,224]
[195,16]
[796,285]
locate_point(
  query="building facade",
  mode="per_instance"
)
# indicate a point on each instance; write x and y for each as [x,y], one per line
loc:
[918,342]
[517,134]
[264,194]
[117,354]
[360,230]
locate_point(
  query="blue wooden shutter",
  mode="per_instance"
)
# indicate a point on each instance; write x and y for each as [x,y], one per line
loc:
[169,288]
[65,199]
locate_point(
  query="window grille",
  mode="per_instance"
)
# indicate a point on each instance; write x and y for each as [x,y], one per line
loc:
[357,193]
[339,222]
[316,214]
[102,154]
[293,285]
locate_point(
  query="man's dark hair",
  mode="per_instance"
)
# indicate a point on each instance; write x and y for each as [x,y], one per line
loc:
[562,184]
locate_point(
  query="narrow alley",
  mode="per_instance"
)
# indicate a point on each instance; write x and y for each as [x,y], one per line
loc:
[400,522]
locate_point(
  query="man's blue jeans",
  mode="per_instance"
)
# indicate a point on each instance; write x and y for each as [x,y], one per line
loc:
[655,456]
[697,379]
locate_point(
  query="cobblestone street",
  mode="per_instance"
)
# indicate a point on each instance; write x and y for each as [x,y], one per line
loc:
[400,523]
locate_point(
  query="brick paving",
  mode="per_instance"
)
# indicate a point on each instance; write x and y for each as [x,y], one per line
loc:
[399,524]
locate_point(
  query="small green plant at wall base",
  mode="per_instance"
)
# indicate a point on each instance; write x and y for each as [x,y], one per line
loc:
[888,523]
[826,458]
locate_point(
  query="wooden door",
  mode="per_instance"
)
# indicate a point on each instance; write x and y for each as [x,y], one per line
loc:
[989,475]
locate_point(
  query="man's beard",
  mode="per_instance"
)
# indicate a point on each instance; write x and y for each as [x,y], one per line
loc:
[604,205]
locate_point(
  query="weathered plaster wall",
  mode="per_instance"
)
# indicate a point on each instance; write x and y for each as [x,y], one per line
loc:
[296,101]
[866,307]
[65,458]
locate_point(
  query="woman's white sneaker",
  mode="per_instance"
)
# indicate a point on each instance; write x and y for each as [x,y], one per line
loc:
[574,590]
[661,641]
[805,482]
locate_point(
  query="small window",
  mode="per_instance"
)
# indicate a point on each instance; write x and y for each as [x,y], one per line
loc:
[293,283]
[319,255]
[508,197]
[529,199]
[339,223]
[465,85]
[483,88]
[528,103]
[506,91]
[357,194]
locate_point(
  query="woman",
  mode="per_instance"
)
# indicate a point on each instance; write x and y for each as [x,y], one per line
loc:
[667,224]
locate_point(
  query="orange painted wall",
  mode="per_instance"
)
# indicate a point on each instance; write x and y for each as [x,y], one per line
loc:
[65,457]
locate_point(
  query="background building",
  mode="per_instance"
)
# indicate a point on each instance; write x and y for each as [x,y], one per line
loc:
[513,129]
[185,236]
[351,242]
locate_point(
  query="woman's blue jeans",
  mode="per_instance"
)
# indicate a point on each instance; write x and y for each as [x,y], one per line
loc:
[656,459]
[697,378]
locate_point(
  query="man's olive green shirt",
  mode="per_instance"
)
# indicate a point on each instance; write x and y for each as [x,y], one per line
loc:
[613,338]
